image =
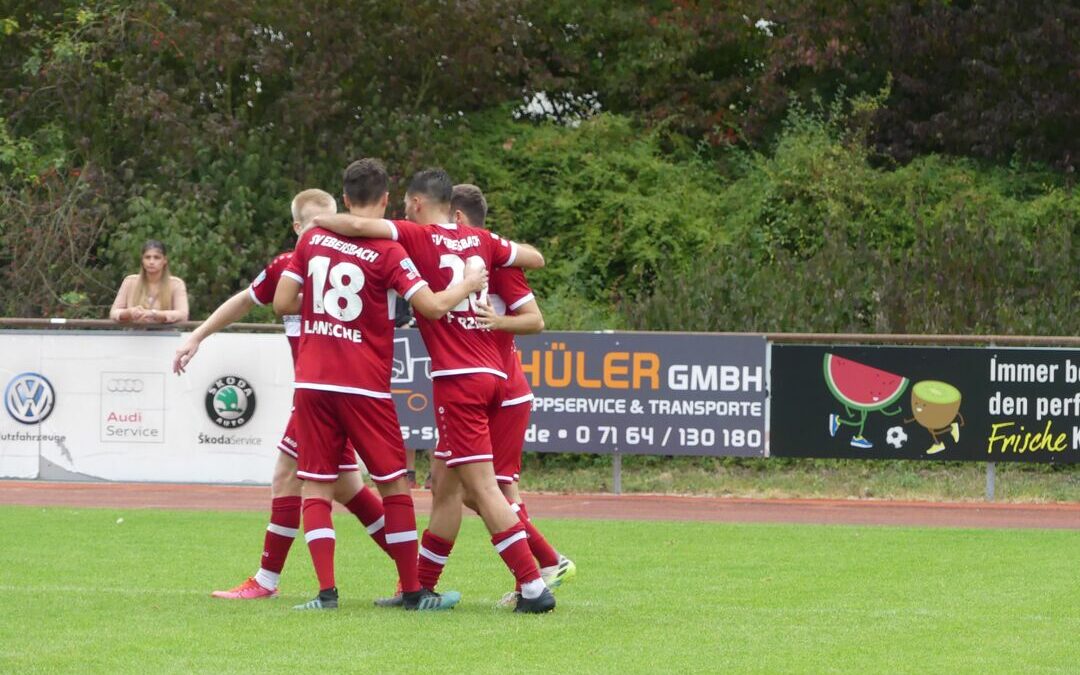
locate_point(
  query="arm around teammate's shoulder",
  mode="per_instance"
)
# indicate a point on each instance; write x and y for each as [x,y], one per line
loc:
[349,225]
[527,257]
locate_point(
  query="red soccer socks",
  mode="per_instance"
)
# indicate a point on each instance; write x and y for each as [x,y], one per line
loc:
[401,539]
[512,544]
[544,553]
[319,533]
[368,508]
[434,552]
[280,533]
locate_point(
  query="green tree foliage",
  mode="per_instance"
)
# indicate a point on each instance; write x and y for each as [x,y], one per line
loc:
[823,241]
[983,79]
[609,207]
[196,121]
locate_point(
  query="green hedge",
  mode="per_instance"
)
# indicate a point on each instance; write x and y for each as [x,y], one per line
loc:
[824,241]
[609,206]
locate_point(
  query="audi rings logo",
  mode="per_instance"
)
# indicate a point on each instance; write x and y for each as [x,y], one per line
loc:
[230,401]
[29,398]
[124,385]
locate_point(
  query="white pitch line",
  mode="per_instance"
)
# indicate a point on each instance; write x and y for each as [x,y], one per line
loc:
[142,592]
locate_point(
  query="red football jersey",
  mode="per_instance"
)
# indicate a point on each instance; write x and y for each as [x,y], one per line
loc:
[507,291]
[347,314]
[457,344]
[262,291]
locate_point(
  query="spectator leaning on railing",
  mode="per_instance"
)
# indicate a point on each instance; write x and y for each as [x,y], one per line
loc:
[153,295]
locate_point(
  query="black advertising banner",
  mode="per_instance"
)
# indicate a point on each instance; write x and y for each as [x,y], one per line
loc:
[959,403]
[632,393]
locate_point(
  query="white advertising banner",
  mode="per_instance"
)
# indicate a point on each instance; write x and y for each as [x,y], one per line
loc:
[99,405]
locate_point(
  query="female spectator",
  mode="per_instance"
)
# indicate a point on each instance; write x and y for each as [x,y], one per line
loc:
[153,295]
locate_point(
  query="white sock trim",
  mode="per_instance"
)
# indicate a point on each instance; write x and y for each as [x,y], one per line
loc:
[532,589]
[267,579]
[289,532]
[321,533]
[434,557]
[510,541]
[377,525]
[400,537]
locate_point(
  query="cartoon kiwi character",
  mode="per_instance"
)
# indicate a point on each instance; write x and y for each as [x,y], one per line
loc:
[936,406]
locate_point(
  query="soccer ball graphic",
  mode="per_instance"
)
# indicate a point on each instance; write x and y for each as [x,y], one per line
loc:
[896,437]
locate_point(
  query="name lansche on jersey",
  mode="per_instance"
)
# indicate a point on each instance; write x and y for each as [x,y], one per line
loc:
[347,310]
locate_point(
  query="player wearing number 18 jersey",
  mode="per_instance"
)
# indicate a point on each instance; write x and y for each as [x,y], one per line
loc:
[284,487]
[343,376]
[468,374]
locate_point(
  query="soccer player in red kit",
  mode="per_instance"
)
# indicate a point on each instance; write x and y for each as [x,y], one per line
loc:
[343,376]
[469,376]
[285,486]
[511,310]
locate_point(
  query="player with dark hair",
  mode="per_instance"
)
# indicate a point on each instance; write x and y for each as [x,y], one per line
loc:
[343,376]
[511,310]
[469,377]
[285,487]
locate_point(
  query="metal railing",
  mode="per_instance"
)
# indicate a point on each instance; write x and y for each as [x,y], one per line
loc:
[940,340]
[105,324]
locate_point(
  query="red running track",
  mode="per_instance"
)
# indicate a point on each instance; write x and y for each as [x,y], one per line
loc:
[594,506]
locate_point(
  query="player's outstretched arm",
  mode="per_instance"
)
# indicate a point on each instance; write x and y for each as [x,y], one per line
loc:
[434,306]
[349,225]
[528,257]
[287,296]
[527,319]
[228,312]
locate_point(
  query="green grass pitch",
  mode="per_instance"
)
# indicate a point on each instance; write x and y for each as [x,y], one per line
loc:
[80,592]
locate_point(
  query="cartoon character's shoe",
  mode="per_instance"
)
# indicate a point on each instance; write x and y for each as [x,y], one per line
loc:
[834,424]
[860,442]
[954,431]
[935,448]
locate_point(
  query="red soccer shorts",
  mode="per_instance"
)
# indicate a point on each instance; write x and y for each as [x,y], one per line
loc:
[464,405]
[507,439]
[290,445]
[328,421]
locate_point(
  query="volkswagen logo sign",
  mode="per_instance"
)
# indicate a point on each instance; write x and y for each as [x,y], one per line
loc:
[230,401]
[127,385]
[29,398]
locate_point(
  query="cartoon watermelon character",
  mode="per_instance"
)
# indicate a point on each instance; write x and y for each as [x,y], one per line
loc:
[860,388]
